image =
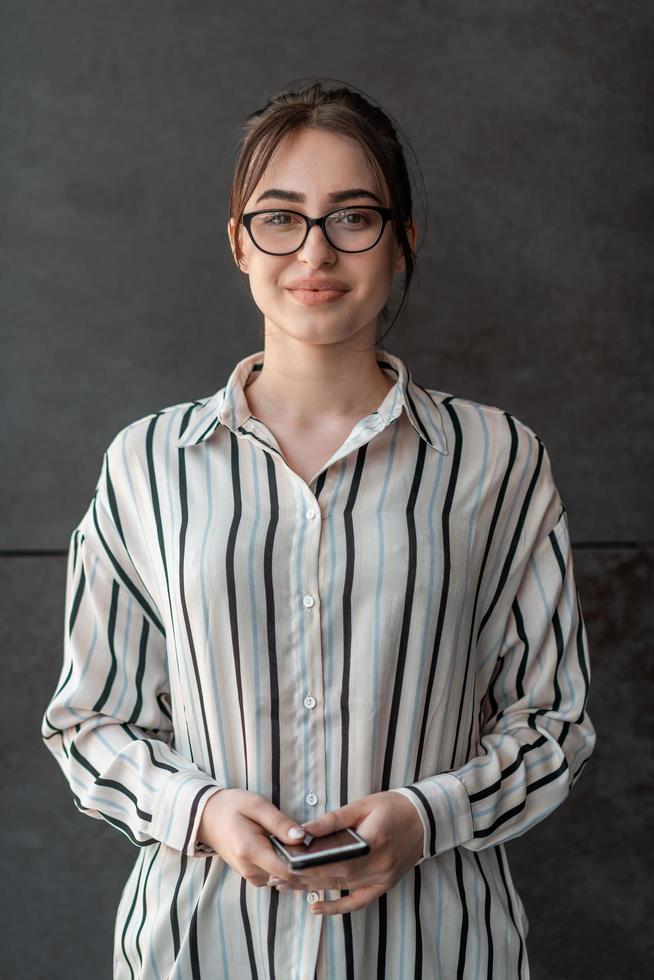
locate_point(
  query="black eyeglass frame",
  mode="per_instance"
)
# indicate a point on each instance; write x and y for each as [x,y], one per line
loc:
[386,214]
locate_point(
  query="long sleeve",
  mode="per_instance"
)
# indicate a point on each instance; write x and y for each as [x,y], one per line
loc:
[535,734]
[109,723]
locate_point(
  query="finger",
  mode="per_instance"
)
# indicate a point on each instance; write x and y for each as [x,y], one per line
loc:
[326,881]
[263,854]
[345,816]
[267,815]
[357,899]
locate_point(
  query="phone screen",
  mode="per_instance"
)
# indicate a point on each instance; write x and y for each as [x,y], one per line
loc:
[340,845]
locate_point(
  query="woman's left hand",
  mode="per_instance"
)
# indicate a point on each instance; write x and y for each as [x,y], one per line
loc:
[392,827]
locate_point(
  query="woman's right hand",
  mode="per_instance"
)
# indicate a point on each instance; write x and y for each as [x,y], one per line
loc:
[236,824]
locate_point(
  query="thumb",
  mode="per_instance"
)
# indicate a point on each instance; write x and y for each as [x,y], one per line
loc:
[344,816]
[284,828]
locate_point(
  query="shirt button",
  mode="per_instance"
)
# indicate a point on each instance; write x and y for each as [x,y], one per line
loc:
[311,799]
[308,600]
[309,701]
[313,897]
[310,513]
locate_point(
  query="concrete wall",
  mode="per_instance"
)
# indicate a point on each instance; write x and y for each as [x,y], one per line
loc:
[532,125]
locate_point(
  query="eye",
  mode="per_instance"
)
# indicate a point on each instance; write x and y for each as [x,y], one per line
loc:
[285,218]
[359,218]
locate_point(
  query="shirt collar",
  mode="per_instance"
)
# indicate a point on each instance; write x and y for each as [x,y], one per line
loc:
[229,405]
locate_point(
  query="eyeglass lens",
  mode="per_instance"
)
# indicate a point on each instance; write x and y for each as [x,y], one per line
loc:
[351,229]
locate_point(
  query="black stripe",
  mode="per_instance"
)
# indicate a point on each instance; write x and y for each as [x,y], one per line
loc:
[76,601]
[142,601]
[508,770]
[519,526]
[264,442]
[140,671]
[273,671]
[111,628]
[497,511]
[148,744]
[194,952]
[508,814]
[487,918]
[144,910]
[247,929]
[429,814]
[408,613]
[463,938]
[128,919]
[118,824]
[522,633]
[165,710]
[154,493]
[194,809]
[232,602]
[416,414]
[417,887]
[183,499]
[209,429]
[271,631]
[231,591]
[501,857]
[407,616]
[109,783]
[174,917]
[113,504]
[451,490]
[348,578]
[456,459]
[582,655]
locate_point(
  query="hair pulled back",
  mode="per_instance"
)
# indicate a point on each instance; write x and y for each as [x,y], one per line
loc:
[341,110]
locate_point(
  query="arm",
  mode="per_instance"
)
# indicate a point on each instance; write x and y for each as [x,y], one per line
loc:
[535,734]
[109,723]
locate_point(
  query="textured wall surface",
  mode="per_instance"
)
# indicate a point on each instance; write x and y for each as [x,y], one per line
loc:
[531,122]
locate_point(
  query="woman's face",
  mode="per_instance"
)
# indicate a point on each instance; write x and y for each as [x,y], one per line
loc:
[315,163]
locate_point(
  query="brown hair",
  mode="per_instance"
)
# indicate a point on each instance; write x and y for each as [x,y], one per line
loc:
[339,110]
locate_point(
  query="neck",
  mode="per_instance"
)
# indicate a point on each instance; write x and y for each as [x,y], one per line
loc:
[300,382]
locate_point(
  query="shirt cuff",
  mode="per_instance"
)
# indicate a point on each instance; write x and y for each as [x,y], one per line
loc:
[444,807]
[178,811]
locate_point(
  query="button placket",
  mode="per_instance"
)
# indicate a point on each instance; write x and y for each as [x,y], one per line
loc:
[311,603]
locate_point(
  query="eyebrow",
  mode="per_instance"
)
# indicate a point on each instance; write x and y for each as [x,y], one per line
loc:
[336,196]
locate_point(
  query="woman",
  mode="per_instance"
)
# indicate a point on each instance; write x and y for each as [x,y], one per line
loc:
[327,596]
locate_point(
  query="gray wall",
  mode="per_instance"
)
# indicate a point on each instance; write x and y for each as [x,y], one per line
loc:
[532,125]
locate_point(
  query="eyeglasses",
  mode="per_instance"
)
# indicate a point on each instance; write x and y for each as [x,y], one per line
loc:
[281,232]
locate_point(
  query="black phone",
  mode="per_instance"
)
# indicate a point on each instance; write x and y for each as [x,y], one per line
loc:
[342,844]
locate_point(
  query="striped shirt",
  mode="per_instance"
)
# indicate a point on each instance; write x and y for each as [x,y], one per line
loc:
[407,621]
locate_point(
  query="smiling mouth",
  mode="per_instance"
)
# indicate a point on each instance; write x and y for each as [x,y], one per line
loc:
[314,297]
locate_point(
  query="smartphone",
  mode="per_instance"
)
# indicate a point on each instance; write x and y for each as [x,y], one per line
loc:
[340,845]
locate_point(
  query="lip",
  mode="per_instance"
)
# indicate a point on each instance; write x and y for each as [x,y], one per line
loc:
[314,297]
[319,284]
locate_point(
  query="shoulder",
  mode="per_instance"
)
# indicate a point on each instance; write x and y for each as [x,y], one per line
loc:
[160,429]
[479,423]
[509,458]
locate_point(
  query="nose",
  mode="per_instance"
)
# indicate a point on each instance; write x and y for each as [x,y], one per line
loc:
[316,245]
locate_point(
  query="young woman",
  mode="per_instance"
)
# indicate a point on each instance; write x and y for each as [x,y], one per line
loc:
[325,595]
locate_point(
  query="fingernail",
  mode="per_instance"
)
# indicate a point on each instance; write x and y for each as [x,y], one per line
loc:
[296,832]
[274,881]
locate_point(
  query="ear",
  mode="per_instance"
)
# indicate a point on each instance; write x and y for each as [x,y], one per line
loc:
[412,234]
[230,235]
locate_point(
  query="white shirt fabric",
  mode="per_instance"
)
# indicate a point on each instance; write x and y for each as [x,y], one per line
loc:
[406,621]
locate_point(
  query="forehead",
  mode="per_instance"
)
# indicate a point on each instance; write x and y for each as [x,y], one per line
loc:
[316,162]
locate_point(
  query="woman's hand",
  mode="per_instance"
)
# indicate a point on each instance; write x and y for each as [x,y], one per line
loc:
[391,825]
[236,823]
